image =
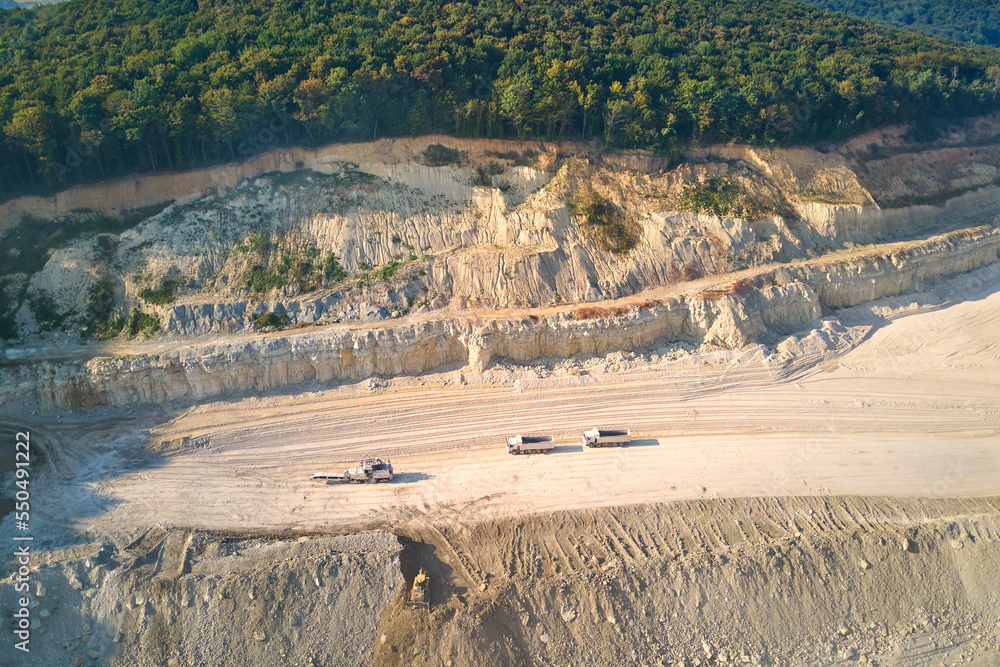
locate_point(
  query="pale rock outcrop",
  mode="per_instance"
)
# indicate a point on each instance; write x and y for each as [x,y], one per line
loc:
[772,304]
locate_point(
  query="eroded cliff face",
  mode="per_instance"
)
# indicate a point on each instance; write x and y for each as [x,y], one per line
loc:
[397,257]
[760,306]
[360,233]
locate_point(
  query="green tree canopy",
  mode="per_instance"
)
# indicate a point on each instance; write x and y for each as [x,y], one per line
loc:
[93,89]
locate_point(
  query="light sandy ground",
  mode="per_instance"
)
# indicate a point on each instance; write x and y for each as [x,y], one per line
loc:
[912,411]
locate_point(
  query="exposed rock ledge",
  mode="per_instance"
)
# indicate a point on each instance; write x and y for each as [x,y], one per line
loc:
[761,307]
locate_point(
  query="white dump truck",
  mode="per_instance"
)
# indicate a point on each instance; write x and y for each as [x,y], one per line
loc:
[596,437]
[369,471]
[530,444]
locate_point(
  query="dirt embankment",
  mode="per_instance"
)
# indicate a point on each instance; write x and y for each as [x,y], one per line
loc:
[842,581]
[822,581]
[171,598]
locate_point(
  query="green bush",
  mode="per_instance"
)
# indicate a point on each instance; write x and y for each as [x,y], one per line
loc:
[607,225]
[270,320]
[260,279]
[332,268]
[46,314]
[484,174]
[296,269]
[144,323]
[165,292]
[437,155]
[718,196]
[256,242]
[388,271]
[101,320]
[8,312]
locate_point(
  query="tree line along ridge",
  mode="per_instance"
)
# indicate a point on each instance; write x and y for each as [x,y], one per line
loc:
[96,89]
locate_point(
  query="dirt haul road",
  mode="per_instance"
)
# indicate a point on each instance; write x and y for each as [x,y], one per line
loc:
[914,410]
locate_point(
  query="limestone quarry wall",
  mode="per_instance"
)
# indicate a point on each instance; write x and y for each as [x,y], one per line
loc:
[517,238]
[771,304]
[112,197]
[857,223]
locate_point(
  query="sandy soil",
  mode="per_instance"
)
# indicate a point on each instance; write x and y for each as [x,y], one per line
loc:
[913,411]
[803,582]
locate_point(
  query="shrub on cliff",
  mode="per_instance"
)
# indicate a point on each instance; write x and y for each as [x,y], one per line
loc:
[142,323]
[608,227]
[270,320]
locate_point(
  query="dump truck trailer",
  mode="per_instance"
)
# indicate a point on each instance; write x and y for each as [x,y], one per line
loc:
[369,471]
[530,444]
[596,437]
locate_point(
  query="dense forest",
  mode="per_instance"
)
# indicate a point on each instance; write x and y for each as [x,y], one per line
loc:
[975,21]
[92,89]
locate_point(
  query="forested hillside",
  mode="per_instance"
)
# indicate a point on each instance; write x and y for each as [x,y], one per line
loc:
[976,21]
[91,89]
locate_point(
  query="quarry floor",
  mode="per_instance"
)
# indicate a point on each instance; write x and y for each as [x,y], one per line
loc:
[913,410]
[798,509]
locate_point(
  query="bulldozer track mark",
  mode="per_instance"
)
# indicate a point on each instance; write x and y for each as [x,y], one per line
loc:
[462,563]
[150,539]
[622,537]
